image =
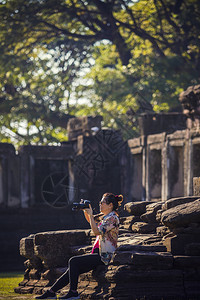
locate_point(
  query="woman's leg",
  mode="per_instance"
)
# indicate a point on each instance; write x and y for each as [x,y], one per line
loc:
[62,281]
[77,265]
[82,264]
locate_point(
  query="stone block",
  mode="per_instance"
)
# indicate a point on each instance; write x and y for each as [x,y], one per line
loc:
[31,282]
[182,215]
[193,249]
[162,122]
[178,201]
[192,289]
[196,186]
[145,248]
[128,283]
[142,227]
[193,228]
[128,221]
[54,248]
[34,274]
[24,290]
[136,208]
[144,260]
[181,262]
[23,282]
[82,126]
[27,250]
[162,230]
[151,211]
[43,283]
[177,244]
[27,247]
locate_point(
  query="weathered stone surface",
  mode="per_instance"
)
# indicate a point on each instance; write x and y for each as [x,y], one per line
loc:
[162,122]
[178,201]
[145,248]
[154,207]
[82,126]
[162,230]
[27,246]
[192,249]
[190,99]
[27,250]
[128,221]
[47,244]
[177,244]
[136,208]
[182,215]
[159,215]
[196,186]
[148,284]
[24,290]
[138,239]
[144,260]
[151,212]
[193,228]
[181,262]
[142,227]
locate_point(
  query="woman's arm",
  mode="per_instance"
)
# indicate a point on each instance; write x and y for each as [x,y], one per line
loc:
[89,215]
[86,216]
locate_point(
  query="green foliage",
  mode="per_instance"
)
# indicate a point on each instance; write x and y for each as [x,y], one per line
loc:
[66,58]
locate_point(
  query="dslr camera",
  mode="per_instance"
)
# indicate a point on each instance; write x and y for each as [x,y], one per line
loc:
[81,205]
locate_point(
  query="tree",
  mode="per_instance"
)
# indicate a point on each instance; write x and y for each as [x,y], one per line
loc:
[131,49]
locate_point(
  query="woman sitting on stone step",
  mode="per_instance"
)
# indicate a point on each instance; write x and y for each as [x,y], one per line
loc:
[104,246]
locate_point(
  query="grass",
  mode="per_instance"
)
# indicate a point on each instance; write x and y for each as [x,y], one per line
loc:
[8,281]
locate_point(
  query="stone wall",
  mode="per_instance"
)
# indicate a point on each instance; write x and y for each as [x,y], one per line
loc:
[164,165]
[93,161]
[151,167]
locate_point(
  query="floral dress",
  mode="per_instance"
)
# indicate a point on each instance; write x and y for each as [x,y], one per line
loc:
[109,229]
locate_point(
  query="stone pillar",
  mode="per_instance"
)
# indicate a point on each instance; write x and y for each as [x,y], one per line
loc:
[1,184]
[9,176]
[188,170]
[165,168]
[72,185]
[13,181]
[145,186]
[155,172]
[136,188]
[25,178]
[196,186]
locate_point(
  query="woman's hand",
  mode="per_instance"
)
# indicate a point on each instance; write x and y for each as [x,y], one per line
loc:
[89,210]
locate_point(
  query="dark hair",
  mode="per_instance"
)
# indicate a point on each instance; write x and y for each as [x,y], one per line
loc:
[116,200]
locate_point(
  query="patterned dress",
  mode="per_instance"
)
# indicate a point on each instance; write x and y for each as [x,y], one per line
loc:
[109,229]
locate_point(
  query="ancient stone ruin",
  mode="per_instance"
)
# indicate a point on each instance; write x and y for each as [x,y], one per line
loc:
[190,100]
[158,255]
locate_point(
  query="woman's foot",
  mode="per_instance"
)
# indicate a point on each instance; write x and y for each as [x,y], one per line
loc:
[70,295]
[47,295]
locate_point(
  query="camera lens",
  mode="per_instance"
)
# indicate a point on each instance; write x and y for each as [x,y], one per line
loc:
[79,206]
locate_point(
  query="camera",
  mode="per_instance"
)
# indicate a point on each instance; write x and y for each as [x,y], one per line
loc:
[82,205]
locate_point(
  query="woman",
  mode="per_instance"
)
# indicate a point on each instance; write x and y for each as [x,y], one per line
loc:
[105,244]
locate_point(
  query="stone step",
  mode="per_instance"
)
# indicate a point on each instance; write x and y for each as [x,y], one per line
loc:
[145,248]
[144,260]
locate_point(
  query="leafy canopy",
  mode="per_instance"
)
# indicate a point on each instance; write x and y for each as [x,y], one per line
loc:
[117,58]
